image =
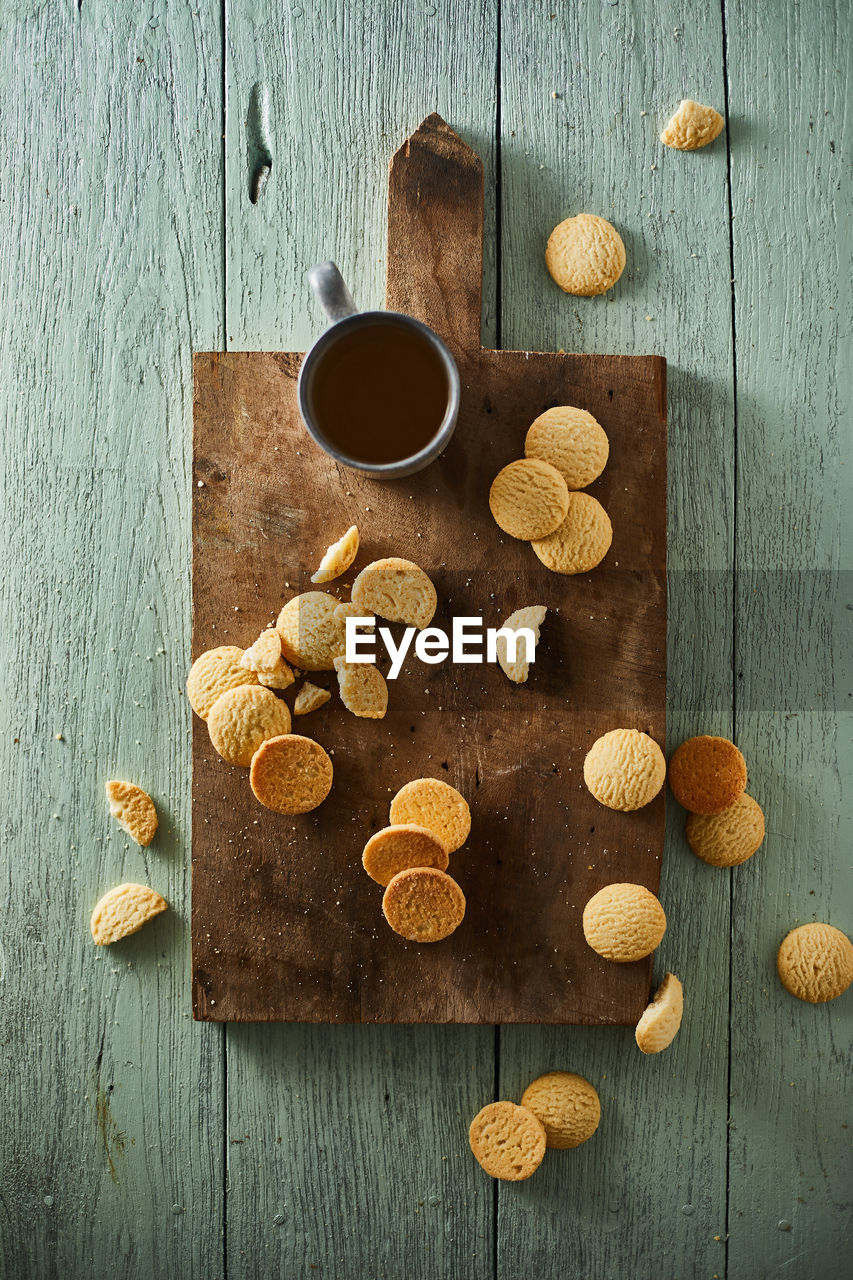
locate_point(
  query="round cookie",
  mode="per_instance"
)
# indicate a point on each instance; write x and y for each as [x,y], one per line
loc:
[661,1020]
[726,839]
[507,1141]
[706,774]
[241,719]
[431,803]
[572,441]
[528,499]
[291,774]
[363,687]
[395,589]
[693,126]
[312,636]
[213,673]
[134,811]
[585,255]
[624,769]
[581,541]
[423,904]
[397,848]
[623,922]
[567,1106]
[815,962]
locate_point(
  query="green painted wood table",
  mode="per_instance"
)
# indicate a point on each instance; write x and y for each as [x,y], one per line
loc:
[167,174]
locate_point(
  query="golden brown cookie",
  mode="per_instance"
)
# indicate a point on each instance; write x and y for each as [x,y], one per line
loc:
[528,499]
[431,803]
[726,839]
[133,809]
[567,1106]
[706,774]
[693,126]
[241,719]
[532,618]
[581,541]
[585,255]
[623,922]
[264,658]
[312,636]
[423,904]
[397,848]
[624,769]
[507,1141]
[309,698]
[815,962]
[395,589]
[349,610]
[572,441]
[659,1024]
[339,557]
[291,774]
[364,690]
[213,673]
[124,910]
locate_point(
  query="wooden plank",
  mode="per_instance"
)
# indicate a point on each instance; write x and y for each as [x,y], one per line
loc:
[647,1194]
[110,258]
[791,1164]
[334,120]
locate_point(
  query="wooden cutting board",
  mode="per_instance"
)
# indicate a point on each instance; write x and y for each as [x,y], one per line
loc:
[286,924]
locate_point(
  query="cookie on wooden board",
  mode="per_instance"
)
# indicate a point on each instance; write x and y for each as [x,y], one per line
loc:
[692,126]
[572,441]
[241,719]
[395,589]
[291,774]
[399,847]
[585,255]
[659,1023]
[623,922]
[265,659]
[507,1141]
[707,774]
[624,769]
[729,838]
[815,962]
[338,557]
[567,1106]
[364,690]
[530,618]
[581,541]
[434,804]
[528,498]
[309,698]
[123,911]
[134,811]
[213,673]
[423,904]
[312,635]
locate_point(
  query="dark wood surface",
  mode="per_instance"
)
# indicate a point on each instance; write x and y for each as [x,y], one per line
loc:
[286,925]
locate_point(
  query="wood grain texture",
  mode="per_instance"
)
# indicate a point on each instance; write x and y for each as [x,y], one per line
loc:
[112,1109]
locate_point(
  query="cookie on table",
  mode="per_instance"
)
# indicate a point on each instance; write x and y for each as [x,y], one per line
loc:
[623,922]
[264,658]
[624,769]
[338,557]
[661,1020]
[397,848]
[312,636]
[507,1141]
[291,774]
[431,803]
[729,838]
[707,774]
[346,609]
[585,255]
[581,541]
[530,617]
[693,126]
[213,673]
[123,911]
[395,589]
[309,698]
[572,441]
[567,1106]
[241,719]
[423,904]
[364,690]
[815,962]
[528,499]
[134,811]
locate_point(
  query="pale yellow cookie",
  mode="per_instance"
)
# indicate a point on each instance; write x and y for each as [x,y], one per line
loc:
[707,774]
[309,698]
[431,803]
[507,1141]
[815,962]
[581,541]
[397,848]
[567,1106]
[528,499]
[349,610]
[311,634]
[693,126]
[291,774]
[623,922]
[659,1024]
[123,911]
[726,839]
[397,590]
[241,719]
[572,441]
[339,557]
[213,673]
[133,809]
[423,904]
[624,769]
[530,618]
[264,658]
[585,255]
[364,690]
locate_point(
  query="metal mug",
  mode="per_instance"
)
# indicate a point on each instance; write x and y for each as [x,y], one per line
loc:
[336,300]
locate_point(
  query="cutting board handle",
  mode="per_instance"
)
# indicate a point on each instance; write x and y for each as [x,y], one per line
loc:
[435,233]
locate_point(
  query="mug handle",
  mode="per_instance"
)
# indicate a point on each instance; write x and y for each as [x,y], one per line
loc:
[331,291]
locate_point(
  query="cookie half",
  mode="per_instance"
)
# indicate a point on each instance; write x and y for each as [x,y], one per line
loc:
[123,911]
[661,1020]
[134,811]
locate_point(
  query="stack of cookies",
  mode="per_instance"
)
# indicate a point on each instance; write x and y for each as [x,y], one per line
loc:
[707,776]
[559,1110]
